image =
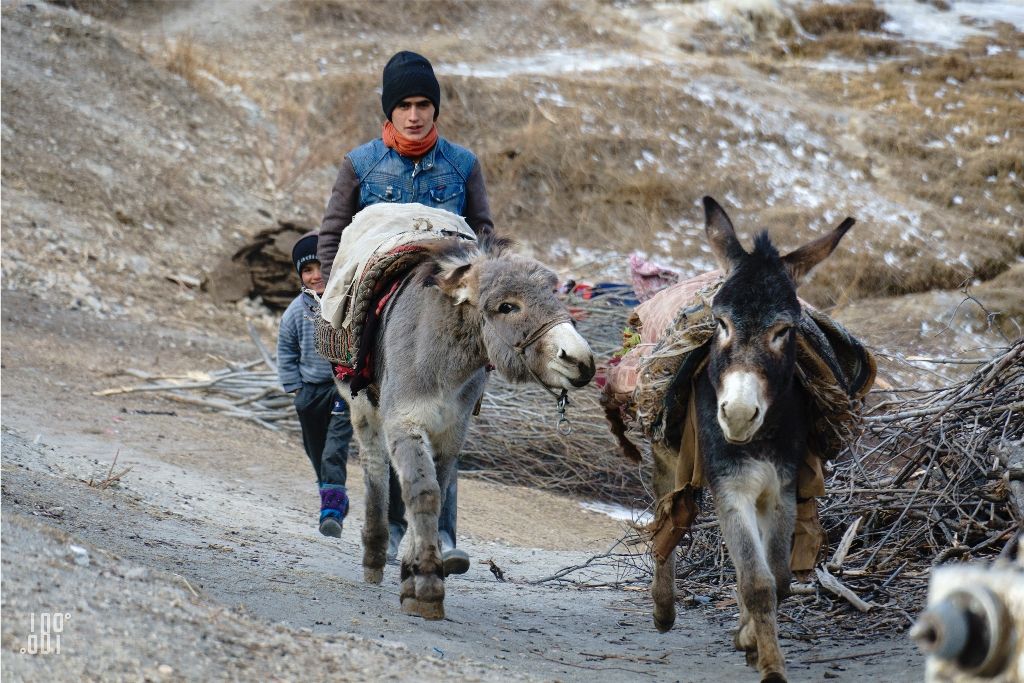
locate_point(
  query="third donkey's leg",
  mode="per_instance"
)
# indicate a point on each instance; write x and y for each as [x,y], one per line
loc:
[422,590]
[663,584]
[756,584]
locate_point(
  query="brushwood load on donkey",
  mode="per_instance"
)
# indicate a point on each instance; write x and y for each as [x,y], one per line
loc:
[741,387]
[413,315]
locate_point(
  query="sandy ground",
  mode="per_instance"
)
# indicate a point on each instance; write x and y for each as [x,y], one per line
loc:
[203,561]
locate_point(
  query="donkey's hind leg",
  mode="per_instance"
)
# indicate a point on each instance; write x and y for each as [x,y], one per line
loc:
[422,590]
[779,522]
[663,583]
[375,477]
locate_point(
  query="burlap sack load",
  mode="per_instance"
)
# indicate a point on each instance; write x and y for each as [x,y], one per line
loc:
[650,391]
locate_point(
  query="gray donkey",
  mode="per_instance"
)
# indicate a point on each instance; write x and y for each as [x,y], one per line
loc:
[753,425]
[469,305]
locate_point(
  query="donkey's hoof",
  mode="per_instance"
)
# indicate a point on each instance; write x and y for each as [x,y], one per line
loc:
[422,608]
[373,574]
[664,622]
[431,610]
[454,561]
[774,677]
[665,616]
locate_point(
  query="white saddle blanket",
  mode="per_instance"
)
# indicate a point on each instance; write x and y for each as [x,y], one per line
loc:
[376,230]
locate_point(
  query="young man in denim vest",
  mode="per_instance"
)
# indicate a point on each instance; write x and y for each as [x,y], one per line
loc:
[323,416]
[409,163]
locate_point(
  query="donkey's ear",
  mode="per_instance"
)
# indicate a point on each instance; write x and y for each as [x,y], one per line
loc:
[721,235]
[458,283]
[800,262]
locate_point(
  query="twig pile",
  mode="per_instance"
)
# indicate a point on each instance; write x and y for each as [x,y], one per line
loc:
[237,391]
[512,441]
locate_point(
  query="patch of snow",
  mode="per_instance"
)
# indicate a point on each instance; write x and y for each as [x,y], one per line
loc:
[619,512]
[924,23]
[547,63]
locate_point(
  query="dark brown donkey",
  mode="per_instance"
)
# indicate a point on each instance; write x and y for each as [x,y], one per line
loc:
[753,424]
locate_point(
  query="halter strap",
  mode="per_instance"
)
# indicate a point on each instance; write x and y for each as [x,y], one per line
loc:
[540,332]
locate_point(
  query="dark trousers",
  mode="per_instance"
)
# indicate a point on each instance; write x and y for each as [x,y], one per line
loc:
[449,511]
[325,436]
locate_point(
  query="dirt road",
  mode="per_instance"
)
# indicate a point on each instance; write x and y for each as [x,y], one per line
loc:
[203,559]
[128,164]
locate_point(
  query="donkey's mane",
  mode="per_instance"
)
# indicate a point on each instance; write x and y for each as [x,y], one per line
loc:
[763,247]
[456,251]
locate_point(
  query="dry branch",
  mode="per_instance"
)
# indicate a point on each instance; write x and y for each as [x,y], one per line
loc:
[834,585]
[512,441]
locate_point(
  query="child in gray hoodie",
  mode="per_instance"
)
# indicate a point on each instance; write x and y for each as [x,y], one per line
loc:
[326,429]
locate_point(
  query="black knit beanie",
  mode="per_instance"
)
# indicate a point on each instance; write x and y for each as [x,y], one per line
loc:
[304,251]
[408,74]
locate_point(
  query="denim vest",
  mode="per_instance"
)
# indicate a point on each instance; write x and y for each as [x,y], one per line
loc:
[438,179]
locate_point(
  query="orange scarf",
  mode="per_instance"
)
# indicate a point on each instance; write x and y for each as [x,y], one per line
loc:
[413,149]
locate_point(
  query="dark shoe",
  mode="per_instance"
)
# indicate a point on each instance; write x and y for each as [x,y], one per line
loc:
[395,533]
[333,508]
[453,560]
[330,526]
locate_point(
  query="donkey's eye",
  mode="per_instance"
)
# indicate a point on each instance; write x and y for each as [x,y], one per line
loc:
[507,308]
[722,326]
[782,335]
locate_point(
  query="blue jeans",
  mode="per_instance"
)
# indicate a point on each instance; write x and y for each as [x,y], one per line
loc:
[449,511]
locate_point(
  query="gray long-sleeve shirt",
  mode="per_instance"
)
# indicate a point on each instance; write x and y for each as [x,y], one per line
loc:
[298,362]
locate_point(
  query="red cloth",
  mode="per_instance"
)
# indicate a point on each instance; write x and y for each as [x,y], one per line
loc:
[649,278]
[655,316]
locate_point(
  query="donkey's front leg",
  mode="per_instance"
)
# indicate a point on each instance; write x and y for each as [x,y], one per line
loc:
[422,590]
[375,478]
[757,593]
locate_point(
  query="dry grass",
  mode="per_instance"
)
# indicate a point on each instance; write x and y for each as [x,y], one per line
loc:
[441,26]
[822,19]
[946,130]
[185,57]
[956,123]
[413,17]
[848,45]
[594,159]
[309,130]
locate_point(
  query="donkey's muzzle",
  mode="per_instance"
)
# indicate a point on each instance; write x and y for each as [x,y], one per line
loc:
[586,372]
[572,361]
[741,405]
